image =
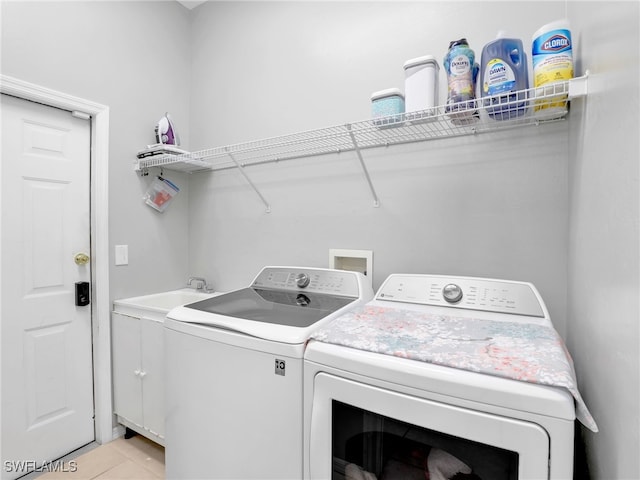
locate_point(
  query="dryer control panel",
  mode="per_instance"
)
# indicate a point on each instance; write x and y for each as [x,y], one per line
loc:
[316,280]
[471,293]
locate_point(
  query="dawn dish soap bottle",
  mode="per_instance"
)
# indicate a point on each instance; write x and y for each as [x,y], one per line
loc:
[462,71]
[504,72]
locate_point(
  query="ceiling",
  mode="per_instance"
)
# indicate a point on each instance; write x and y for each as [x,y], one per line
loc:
[191,3]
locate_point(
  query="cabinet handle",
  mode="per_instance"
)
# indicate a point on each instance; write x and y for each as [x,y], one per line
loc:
[142,373]
[136,373]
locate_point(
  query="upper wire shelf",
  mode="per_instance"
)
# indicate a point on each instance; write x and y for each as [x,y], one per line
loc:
[518,109]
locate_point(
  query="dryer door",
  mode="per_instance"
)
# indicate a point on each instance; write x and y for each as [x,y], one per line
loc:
[359,426]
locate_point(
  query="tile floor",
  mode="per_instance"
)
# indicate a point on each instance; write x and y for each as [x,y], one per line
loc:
[135,459]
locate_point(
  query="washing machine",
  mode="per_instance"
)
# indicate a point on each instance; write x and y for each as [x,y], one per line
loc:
[439,376]
[234,376]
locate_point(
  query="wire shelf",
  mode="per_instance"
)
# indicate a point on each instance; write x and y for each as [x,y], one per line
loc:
[518,109]
[174,162]
[488,114]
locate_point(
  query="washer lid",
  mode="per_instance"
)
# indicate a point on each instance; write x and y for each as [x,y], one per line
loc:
[281,307]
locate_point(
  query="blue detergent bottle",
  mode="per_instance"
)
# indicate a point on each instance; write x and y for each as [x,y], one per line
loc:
[504,78]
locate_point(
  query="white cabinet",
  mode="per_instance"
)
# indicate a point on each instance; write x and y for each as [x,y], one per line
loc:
[137,352]
[138,374]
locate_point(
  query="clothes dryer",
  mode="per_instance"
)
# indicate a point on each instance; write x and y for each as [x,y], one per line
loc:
[441,375]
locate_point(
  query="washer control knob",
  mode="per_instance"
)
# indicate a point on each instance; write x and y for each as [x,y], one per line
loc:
[302,280]
[302,300]
[452,293]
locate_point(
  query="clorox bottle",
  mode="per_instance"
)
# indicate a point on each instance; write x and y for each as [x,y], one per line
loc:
[504,72]
[552,60]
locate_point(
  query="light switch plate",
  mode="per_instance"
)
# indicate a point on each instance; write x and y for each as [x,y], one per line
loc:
[122,254]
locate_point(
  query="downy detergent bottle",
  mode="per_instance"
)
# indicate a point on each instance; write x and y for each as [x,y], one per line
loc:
[504,78]
[462,71]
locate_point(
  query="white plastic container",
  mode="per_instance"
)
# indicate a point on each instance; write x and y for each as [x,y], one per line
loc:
[387,106]
[421,84]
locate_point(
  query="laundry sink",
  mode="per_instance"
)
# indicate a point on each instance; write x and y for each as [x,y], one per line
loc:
[157,305]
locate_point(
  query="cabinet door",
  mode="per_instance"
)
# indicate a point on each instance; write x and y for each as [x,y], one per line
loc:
[127,367]
[153,380]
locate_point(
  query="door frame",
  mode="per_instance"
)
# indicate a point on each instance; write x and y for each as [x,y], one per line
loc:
[98,115]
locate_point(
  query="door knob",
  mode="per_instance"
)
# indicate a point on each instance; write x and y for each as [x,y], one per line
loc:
[81,258]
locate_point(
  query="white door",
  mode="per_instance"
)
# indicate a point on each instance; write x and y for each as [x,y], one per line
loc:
[47,384]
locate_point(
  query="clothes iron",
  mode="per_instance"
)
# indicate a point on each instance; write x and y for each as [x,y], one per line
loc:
[166,133]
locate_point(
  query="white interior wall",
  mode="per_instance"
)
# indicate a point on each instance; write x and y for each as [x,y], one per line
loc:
[493,206]
[603,314]
[133,57]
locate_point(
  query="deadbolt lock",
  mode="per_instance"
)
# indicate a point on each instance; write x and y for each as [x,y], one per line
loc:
[81,258]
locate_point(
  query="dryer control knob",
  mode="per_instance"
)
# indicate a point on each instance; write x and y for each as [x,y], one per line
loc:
[452,293]
[302,280]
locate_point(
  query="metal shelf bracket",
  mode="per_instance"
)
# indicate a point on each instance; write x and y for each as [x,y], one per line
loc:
[376,202]
[246,177]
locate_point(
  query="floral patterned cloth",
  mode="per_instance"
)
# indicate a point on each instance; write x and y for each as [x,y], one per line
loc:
[516,350]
